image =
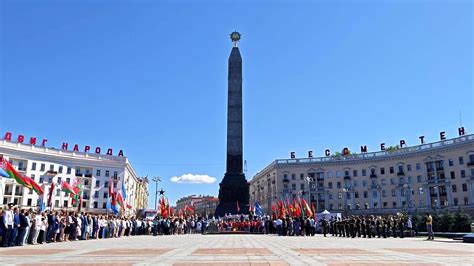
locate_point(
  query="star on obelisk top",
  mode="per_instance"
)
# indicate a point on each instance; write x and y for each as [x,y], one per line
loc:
[235,37]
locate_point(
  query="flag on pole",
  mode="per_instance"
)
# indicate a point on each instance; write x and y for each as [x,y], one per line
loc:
[13,173]
[258,209]
[50,196]
[124,193]
[66,187]
[37,188]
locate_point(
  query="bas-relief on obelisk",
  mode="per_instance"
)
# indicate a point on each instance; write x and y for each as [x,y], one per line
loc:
[234,188]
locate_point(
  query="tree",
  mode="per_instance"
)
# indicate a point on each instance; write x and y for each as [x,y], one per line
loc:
[446,222]
[461,221]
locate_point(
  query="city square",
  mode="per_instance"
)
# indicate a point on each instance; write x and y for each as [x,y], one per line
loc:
[244,250]
[123,128]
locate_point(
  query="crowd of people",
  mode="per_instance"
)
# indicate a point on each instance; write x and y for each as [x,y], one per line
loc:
[21,227]
[26,227]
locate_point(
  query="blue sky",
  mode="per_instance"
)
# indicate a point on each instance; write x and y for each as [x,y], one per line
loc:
[149,77]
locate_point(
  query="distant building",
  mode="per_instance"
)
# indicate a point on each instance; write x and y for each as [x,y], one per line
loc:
[419,178]
[206,207]
[93,171]
[199,203]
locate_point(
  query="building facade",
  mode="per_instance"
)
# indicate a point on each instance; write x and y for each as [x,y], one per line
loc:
[202,205]
[206,207]
[435,175]
[93,171]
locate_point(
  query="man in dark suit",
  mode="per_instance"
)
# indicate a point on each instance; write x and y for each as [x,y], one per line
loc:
[22,229]
[51,223]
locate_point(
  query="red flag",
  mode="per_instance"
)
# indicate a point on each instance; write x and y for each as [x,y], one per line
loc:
[189,209]
[111,187]
[51,189]
[308,210]
[37,188]
[238,207]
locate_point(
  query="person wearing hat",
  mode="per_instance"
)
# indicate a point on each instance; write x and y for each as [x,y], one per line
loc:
[8,225]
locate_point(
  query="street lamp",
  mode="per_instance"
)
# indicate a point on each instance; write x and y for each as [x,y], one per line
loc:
[156,179]
[344,191]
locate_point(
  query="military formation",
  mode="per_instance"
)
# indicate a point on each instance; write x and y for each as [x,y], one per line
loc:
[368,226]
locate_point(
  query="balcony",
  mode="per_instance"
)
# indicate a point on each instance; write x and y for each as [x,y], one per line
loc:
[401,173]
[373,176]
[347,177]
[51,173]
[470,163]
[439,169]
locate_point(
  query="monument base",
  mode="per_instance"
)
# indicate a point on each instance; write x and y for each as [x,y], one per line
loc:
[233,189]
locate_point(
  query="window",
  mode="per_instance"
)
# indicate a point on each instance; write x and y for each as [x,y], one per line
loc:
[68,180]
[456,202]
[374,182]
[382,181]
[385,204]
[364,172]
[354,173]
[394,204]
[329,174]
[115,174]
[466,201]
[293,186]
[293,176]
[97,183]
[374,194]
[401,180]
[41,180]
[384,193]
[346,173]
[97,172]
[471,158]
[95,204]
[105,195]
[338,174]
[68,171]
[355,183]
[463,174]
[106,184]
[408,167]
[86,182]
[107,174]
[391,170]
[392,181]
[301,176]
[28,202]
[410,180]
[364,183]
[394,193]
[50,179]
[96,194]
[464,187]
[338,184]
[104,205]
[33,177]
[418,178]
[60,170]
[356,194]
[84,204]
[382,171]
[400,168]
[51,167]
[454,188]
[418,167]
[65,204]
[450,162]
[33,168]
[43,166]
[330,185]
[452,174]
[302,186]
[461,160]
[366,194]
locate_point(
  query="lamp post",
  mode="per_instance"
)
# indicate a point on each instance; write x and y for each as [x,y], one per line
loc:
[156,179]
[344,191]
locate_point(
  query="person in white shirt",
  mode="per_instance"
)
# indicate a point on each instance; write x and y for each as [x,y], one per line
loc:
[8,225]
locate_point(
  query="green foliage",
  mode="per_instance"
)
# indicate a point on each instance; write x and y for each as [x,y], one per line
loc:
[392,148]
[459,222]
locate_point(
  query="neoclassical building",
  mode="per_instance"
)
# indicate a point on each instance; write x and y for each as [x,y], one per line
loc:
[93,171]
[423,177]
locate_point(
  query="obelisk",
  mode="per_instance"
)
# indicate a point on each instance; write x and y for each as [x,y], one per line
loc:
[234,189]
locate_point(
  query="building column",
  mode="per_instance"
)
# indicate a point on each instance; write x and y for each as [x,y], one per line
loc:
[471,194]
[449,193]
[326,200]
[427,197]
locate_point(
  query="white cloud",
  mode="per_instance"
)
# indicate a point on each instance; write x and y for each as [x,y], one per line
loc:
[193,179]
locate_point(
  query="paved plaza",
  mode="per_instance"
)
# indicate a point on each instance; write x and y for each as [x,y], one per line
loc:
[244,250]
